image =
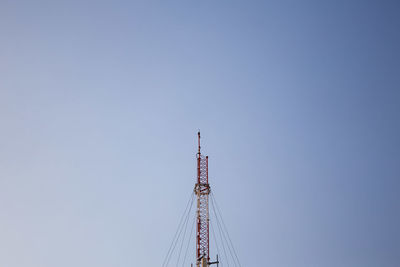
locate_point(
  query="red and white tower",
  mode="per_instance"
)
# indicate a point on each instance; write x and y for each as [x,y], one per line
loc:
[202,190]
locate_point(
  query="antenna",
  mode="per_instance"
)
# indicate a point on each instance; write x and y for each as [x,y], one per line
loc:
[202,191]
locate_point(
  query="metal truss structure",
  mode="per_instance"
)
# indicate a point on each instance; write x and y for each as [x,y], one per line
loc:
[202,190]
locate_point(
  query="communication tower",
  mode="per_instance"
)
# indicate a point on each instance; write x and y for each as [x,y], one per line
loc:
[202,191]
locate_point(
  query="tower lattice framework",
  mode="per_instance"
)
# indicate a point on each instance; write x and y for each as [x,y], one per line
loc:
[202,190]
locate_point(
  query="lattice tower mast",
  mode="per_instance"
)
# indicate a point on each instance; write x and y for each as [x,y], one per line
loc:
[202,190]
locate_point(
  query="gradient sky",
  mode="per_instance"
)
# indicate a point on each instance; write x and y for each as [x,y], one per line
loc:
[298,103]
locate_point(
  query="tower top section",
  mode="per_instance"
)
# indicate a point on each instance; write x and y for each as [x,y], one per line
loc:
[198,135]
[202,190]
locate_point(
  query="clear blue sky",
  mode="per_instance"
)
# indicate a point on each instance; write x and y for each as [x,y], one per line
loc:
[298,103]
